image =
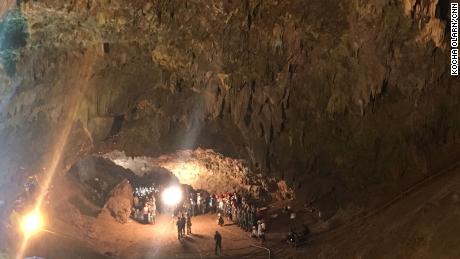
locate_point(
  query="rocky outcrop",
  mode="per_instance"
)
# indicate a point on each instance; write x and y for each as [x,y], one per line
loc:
[430,17]
[119,203]
[100,178]
[202,169]
[343,100]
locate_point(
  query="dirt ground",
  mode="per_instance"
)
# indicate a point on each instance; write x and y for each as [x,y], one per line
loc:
[135,241]
[423,224]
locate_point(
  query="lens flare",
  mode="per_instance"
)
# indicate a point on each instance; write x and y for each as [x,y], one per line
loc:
[172,195]
[31,223]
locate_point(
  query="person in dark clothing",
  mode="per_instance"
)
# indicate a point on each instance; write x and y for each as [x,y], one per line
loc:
[182,225]
[179,228]
[146,214]
[220,220]
[218,240]
[189,225]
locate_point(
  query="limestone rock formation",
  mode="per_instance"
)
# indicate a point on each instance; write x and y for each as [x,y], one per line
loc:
[119,203]
[343,100]
[99,178]
[202,169]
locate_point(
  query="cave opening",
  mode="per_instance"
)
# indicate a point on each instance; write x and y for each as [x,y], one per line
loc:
[108,195]
[200,168]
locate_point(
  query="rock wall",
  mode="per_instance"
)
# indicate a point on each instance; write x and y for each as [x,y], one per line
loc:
[336,98]
[203,169]
[120,202]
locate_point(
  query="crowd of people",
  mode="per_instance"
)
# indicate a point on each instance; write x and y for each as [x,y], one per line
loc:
[235,207]
[184,222]
[238,210]
[145,205]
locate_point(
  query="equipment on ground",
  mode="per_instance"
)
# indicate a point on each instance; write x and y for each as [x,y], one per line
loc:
[300,238]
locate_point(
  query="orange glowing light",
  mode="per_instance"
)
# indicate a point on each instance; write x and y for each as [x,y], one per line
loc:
[32,223]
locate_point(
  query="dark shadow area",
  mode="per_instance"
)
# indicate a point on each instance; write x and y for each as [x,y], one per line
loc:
[84,207]
[117,122]
[198,235]
[229,224]
[190,239]
[443,10]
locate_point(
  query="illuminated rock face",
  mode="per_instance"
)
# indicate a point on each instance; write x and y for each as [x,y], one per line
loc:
[120,202]
[204,169]
[337,98]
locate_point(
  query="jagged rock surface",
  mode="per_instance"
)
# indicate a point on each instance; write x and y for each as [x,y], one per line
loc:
[120,202]
[100,178]
[344,100]
[203,169]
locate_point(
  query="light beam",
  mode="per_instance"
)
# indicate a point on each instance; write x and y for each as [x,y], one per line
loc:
[76,94]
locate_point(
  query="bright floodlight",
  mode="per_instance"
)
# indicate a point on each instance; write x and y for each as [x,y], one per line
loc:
[31,223]
[172,195]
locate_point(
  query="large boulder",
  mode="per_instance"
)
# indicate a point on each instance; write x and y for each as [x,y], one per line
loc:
[119,203]
[99,177]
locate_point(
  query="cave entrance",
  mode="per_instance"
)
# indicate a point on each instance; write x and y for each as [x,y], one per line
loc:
[126,186]
[201,169]
[103,205]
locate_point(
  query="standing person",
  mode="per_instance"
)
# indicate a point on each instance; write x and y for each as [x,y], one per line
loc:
[212,202]
[254,233]
[136,213]
[218,241]
[136,201]
[243,219]
[199,202]
[192,207]
[250,217]
[204,204]
[179,231]
[253,216]
[154,202]
[182,225]
[153,212]
[189,225]
[261,231]
[188,206]
[221,205]
[262,225]
[146,214]
[238,216]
